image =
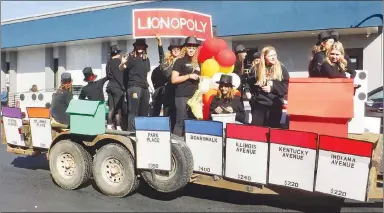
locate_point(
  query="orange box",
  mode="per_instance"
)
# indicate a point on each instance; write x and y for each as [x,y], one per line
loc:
[320,105]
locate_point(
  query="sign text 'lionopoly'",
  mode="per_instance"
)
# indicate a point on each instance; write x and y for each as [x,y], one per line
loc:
[171,23]
[343,167]
[153,143]
[246,153]
[205,140]
[292,159]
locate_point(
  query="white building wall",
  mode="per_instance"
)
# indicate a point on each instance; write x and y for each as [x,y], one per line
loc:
[373,62]
[79,56]
[295,54]
[30,69]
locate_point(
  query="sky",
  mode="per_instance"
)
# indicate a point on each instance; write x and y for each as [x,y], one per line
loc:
[18,9]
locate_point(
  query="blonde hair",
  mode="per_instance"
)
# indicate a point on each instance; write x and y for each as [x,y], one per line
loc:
[275,70]
[315,49]
[342,65]
[65,87]
[254,64]
[229,95]
[195,62]
[134,53]
[169,59]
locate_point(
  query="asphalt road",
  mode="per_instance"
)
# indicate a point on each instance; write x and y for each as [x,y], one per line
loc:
[26,185]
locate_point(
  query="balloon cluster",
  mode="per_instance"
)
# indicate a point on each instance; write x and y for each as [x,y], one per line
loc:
[215,59]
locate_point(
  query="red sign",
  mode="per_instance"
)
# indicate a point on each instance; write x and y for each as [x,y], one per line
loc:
[170,23]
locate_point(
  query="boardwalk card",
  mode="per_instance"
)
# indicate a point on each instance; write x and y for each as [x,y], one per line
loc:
[343,167]
[292,159]
[12,121]
[246,155]
[40,123]
[153,145]
[205,140]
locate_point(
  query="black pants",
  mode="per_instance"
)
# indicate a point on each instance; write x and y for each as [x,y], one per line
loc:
[170,111]
[138,100]
[169,108]
[267,116]
[157,101]
[182,112]
[115,104]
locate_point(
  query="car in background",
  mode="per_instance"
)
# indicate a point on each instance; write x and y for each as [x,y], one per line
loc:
[374,105]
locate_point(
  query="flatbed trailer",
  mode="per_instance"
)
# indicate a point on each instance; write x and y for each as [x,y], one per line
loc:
[92,145]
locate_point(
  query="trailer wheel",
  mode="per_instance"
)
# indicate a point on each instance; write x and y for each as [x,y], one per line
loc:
[70,165]
[180,174]
[114,171]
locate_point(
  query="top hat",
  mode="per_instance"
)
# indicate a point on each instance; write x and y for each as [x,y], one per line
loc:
[88,74]
[175,42]
[323,36]
[225,79]
[240,49]
[191,41]
[114,49]
[256,55]
[140,41]
[66,76]
[335,35]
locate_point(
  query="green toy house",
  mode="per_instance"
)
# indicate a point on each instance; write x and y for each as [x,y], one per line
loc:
[87,117]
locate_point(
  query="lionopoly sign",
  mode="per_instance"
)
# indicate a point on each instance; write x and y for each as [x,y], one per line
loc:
[171,23]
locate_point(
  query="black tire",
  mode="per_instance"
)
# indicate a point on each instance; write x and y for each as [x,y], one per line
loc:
[67,149]
[181,171]
[117,155]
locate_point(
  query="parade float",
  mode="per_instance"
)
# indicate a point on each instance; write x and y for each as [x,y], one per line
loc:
[315,158]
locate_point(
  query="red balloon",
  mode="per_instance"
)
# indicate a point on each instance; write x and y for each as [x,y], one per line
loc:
[202,55]
[226,58]
[222,44]
[212,46]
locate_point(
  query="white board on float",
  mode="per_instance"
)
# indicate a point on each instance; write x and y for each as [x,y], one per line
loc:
[246,154]
[343,167]
[153,143]
[292,159]
[40,124]
[205,140]
[12,123]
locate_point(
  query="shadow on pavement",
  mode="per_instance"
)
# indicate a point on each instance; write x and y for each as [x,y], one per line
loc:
[288,200]
[32,163]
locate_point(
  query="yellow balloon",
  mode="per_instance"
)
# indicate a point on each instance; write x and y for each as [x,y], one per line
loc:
[227,70]
[209,68]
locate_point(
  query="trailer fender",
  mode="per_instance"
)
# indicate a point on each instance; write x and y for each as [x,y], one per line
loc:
[104,139]
[96,142]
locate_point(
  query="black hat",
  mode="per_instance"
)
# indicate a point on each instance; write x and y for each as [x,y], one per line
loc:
[66,76]
[335,35]
[88,73]
[140,41]
[240,49]
[191,40]
[256,55]
[323,36]
[114,49]
[175,42]
[225,79]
